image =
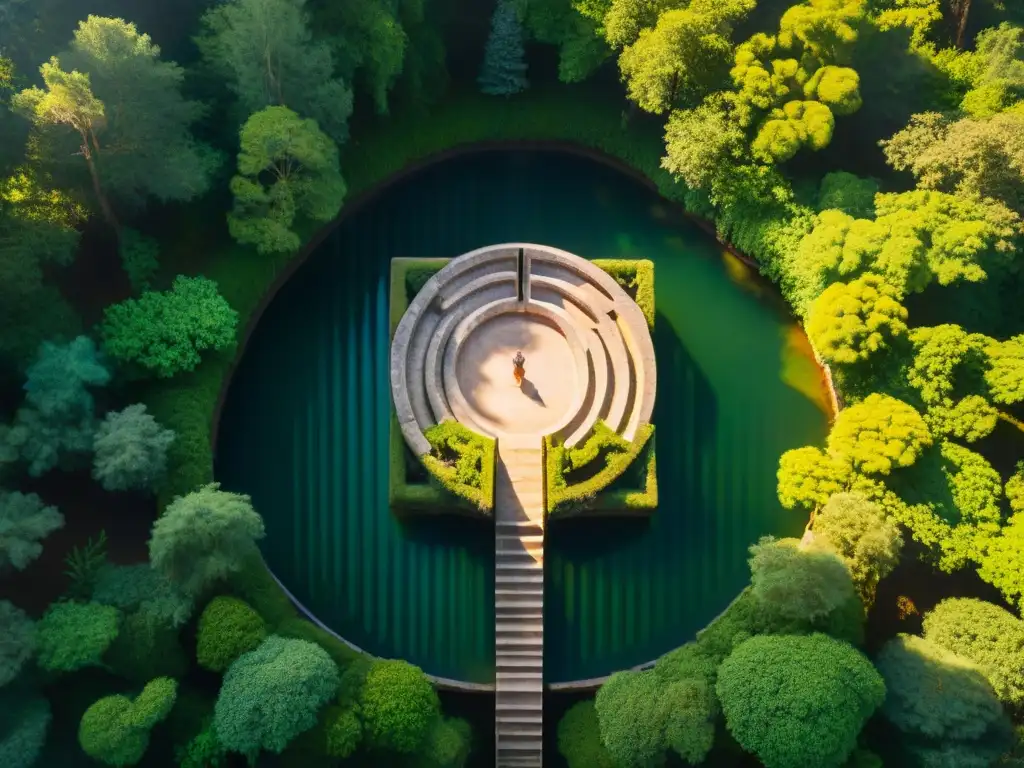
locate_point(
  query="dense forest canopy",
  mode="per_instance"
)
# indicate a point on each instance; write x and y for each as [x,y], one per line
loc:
[868,155]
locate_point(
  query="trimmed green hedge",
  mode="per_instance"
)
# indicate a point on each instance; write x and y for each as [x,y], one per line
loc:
[463,463]
[581,479]
[636,276]
[460,470]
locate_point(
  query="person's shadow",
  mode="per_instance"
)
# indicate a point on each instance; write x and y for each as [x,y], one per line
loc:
[530,390]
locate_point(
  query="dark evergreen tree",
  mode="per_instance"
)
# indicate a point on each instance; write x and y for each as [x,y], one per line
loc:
[504,69]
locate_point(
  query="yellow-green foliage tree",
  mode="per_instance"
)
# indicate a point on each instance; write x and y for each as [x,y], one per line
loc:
[851,321]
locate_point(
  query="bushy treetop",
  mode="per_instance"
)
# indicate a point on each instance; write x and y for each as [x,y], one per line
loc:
[272,694]
[398,705]
[75,635]
[851,321]
[24,521]
[130,450]
[287,167]
[796,701]
[879,434]
[115,729]
[17,641]
[808,477]
[228,628]
[579,740]
[989,636]
[204,536]
[141,587]
[164,332]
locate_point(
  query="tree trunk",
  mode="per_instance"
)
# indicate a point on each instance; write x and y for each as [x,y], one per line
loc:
[960,9]
[97,188]
[1010,420]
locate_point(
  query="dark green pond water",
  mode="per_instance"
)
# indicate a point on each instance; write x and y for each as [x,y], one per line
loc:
[305,429]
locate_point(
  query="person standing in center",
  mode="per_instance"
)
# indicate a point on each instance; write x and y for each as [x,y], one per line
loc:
[517,368]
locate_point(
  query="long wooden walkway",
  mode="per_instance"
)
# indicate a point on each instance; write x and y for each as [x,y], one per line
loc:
[519,604]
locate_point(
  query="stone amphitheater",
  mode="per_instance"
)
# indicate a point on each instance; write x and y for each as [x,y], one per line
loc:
[589,357]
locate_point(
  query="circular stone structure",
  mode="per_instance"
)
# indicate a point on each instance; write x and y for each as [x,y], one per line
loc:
[588,349]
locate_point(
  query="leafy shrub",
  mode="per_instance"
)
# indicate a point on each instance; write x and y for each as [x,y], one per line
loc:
[579,738]
[642,715]
[943,705]
[344,731]
[17,641]
[228,628]
[24,722]
[204,750]
[856,529]
[798,582]
[130,450]
[636,276]
[796,701]
[24,520]
[115,729]
[989,636]
[142,588]
[398,706]
[448,744]
[203,537]
[146,647]
[163,333]
[75,635]
[84,564]
[272,694]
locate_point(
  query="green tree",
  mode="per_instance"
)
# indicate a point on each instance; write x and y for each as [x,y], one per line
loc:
[228,628]
[24,723]
[994,71]
[878,434]
[115,729]
[701,143]
[272,694]
[856,529]
[24,521]
[17,643]
[265,52]
[579,740]
[143,588]
[808,477]
[204,536]
[139,258]
[916,238]
[989,636]
[130,450]
[57,419]
[113,96]
[847,193]
[947,371]
[967,156]
[1005,374]
[163,333]
[942,704]
[448,744]
[75,635]
[147,646]
[851,321]
[798,582]
[683,57]
[796,701]
[398,706]
[301,164]
[950,503]
[503,71]
[642,715]
[38,227]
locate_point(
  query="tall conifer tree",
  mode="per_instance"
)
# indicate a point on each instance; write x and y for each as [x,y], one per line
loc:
[504,69]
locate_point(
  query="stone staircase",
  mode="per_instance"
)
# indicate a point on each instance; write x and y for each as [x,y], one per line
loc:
[519,604]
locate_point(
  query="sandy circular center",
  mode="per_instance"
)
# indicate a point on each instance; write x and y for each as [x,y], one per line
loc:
[484,370]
